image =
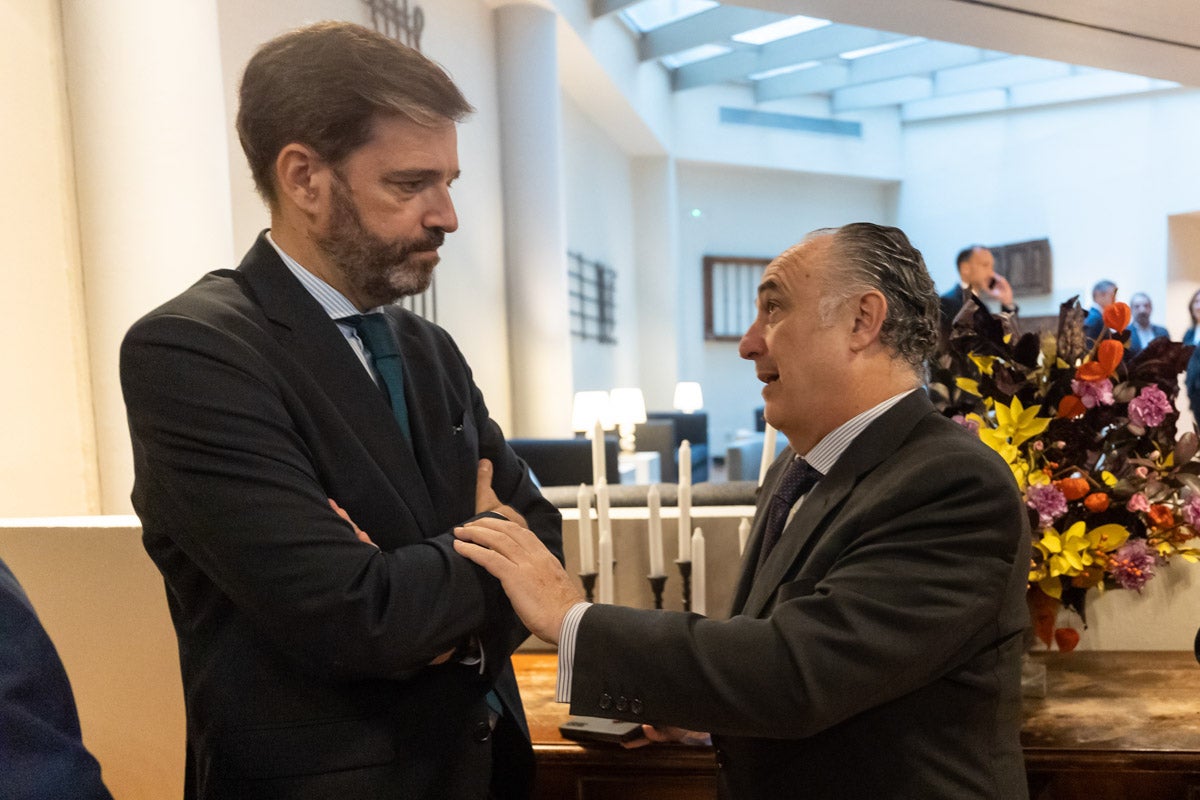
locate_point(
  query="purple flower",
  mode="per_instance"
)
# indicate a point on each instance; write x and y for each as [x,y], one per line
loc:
[1047,501]
[970,424]
[1150,407]
[1191,511]
[1093,393]
[1132,564]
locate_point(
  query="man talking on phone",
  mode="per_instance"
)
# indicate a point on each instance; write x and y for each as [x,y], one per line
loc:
[976,275]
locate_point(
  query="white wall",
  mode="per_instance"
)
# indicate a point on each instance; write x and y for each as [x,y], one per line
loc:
[1098,179]
[48,459]
[599,215]
[750,212]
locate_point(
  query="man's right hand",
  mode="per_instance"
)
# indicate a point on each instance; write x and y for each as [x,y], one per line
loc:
[485,496]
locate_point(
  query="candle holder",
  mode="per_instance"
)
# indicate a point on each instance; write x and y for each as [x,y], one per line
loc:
[685,571]
[657,582]
[589,584]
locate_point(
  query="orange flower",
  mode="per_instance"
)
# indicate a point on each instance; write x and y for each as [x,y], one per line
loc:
[1162,516]
[1108,357]
[1073,488]
[1071,407]
[1096,502]
[1117,316]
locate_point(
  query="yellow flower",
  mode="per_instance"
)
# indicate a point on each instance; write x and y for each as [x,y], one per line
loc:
[984,363]
[1108,478]
[1067,553]
[1018,423]
[969,385]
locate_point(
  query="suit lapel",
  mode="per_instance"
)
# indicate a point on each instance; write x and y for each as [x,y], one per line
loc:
[878,441]
[313,339]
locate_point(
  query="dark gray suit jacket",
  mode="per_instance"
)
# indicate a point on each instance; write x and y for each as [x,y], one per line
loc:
[303,650]
[875,654]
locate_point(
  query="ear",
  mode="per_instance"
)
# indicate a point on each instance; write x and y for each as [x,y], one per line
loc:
[869,315]
[302,178]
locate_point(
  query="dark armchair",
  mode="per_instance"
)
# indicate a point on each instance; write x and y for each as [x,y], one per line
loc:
[566,462]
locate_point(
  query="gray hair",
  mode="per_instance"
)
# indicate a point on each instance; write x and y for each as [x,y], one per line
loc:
[881,258]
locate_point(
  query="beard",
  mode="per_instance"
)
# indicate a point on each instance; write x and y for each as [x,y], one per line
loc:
[377,270]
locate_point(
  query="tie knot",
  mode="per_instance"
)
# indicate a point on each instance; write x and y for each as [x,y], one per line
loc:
[799,477]
[373,329]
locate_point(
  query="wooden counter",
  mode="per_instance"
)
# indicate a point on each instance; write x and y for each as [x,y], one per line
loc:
[1113,726]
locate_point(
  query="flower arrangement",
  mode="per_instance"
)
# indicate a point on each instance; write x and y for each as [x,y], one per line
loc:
[1090,435]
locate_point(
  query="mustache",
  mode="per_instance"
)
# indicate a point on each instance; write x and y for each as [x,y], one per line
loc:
[430,241]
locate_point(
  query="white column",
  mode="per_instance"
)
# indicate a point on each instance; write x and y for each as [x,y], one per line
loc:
[539,333]
[148,122]
[656,232]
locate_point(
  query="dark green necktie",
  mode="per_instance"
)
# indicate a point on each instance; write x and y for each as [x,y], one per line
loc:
[381,344]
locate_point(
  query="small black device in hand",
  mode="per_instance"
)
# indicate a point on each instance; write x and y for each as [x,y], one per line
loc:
[599,729]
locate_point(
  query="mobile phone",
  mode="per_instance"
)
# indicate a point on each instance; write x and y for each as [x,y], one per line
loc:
[599,729]
[992,283]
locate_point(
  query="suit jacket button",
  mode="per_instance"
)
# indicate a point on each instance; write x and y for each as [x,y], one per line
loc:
[635,705]
[482,731]
[722,759]
[622,704]
[605,701]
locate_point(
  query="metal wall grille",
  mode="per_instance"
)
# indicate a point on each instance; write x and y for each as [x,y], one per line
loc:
[592,290]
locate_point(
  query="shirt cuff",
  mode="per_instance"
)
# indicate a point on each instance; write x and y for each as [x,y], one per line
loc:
[566,650]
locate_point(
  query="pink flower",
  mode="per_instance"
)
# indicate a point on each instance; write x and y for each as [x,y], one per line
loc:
[1093,393]
[1150,407]
[1132,564]
[1047,501]
[1141,472]
[1138,503]
[970,424]
[1191,511]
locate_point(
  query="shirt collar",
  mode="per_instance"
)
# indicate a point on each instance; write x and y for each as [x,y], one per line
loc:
[334,302]
[826,452]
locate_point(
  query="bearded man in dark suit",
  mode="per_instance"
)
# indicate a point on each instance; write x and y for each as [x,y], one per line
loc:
[271,404]
[874,648]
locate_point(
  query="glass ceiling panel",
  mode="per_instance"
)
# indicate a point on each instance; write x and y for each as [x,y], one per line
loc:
[781,30]
[695,54]
[650,14]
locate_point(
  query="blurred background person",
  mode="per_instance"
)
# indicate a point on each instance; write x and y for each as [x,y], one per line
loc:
[1143,330]
[1104,294]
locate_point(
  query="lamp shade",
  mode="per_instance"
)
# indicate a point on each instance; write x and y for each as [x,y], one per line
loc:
[589,407]
[628,406]
[688,396]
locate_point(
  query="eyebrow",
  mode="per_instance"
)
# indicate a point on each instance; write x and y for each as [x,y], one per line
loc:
[769,285]
[418,174]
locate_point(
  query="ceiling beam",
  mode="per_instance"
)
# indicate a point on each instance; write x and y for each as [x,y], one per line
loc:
[601,8]
[998,72]
[922,57]
[882,93]
[823,78]
[713,26]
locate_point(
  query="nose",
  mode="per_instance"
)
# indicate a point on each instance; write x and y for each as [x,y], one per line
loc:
[440,213]
[752,344]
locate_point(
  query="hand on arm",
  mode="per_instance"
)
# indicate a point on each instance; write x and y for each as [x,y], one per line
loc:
[539,588]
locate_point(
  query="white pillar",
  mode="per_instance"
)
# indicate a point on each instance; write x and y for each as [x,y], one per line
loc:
[534,221]
[656,232]
[148,121]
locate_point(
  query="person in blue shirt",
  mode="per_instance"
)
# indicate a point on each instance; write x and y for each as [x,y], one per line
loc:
[42,756]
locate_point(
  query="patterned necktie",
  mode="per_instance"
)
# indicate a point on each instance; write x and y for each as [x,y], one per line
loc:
[796,481]
[381,344]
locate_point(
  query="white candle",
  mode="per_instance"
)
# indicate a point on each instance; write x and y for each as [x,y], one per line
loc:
[768,453]
[599,468]
[654,511]
[699,587]
[587,557]
[685,463]
[606,568]
[602,519]
[743,534]
[685,522]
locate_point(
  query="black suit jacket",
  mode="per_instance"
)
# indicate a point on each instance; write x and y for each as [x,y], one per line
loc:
[877,651]
[41,754]
[305,652]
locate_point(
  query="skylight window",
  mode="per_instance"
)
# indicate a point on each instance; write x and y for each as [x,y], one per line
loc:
[704,51]
[650,14]
[792,26]
[850,55]
[771,73]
